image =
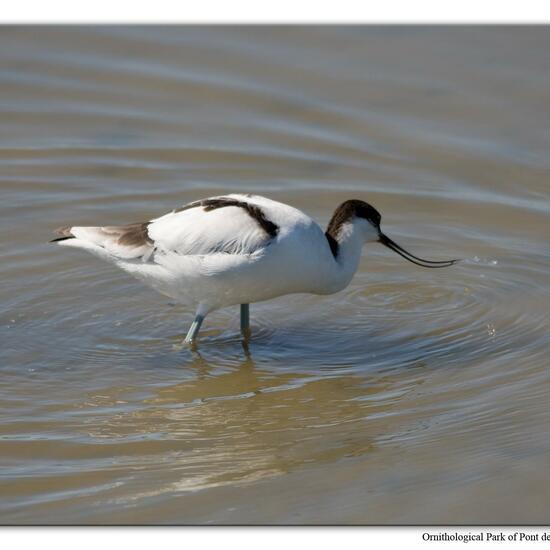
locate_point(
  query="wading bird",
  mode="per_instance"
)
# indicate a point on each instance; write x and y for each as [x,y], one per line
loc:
[239,249]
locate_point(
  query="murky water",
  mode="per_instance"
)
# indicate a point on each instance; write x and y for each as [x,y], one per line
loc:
[412,396]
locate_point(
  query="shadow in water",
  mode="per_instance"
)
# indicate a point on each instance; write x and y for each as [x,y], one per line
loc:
[247,423]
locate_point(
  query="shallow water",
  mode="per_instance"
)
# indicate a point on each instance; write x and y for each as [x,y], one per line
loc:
[413,396]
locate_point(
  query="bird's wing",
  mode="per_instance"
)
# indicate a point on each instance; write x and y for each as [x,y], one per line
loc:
[216,225]
[228,224]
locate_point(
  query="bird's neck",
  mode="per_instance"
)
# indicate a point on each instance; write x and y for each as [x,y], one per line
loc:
[345,244]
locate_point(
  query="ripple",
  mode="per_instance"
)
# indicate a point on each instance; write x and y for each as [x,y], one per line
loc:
[381,389]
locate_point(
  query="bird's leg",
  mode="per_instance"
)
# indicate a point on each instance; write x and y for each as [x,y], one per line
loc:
[196,325]
[194,329]
[245,320]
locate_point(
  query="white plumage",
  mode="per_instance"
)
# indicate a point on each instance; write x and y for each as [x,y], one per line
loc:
[237,249]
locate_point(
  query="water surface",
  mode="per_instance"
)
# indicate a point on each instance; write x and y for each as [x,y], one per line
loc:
[413,396]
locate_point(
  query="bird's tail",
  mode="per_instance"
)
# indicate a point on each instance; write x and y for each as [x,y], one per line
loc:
[65,233]
[123,242]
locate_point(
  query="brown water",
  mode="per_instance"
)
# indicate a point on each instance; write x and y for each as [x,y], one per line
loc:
[412,396]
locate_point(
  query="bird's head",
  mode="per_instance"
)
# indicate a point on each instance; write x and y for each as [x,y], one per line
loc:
[364,218]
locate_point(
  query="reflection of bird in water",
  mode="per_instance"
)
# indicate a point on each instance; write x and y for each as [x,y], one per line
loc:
[239,249]
[249,422]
